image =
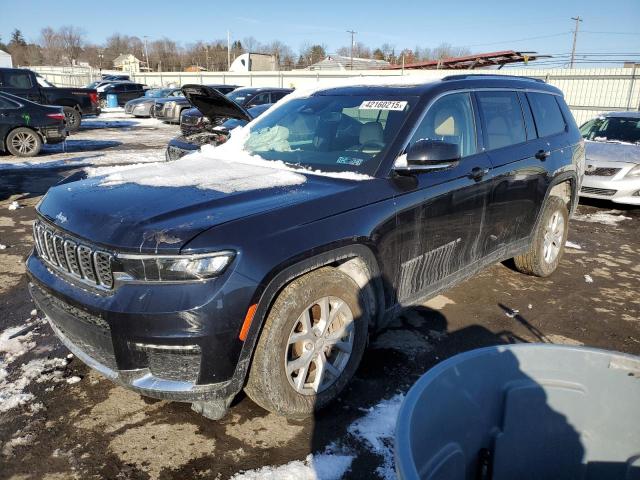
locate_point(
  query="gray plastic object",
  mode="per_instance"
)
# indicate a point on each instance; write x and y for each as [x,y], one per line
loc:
[523,412]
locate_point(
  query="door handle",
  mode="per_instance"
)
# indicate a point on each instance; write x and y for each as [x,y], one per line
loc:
[477,173]
[542,154]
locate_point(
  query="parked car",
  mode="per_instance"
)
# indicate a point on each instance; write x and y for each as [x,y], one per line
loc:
[143,106]
[124,91]
[170,109]
[101,83]
[613,157]
[192,120]
[116,77]
[75,102]
[216,135]
[25,125]
[267,268]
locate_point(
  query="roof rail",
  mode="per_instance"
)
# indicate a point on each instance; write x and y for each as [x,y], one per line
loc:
[489,75]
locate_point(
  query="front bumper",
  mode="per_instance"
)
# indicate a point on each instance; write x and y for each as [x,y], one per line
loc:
[168,353]
[168,114]
[617,188]
[139,110]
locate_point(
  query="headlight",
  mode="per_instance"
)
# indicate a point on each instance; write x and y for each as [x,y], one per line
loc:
[634,172]
[170,268]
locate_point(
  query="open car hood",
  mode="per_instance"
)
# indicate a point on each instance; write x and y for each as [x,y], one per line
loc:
[214,104]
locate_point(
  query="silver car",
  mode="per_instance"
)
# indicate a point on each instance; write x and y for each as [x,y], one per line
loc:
[612,169]
[143,106]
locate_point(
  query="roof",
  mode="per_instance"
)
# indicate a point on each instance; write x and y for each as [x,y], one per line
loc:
[631,114]
[452,82]
[260,89]
[477,60]
[4,54]
[124,56]
[340,62]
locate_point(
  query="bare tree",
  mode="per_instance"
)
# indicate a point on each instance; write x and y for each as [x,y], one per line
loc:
[71,40]
[51,46]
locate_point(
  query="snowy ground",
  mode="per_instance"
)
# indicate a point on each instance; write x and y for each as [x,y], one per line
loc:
[60,420]
[113,138]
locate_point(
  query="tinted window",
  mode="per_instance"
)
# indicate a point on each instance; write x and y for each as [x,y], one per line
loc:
[502,117]
[546,113]
[260,99]
[17,80]
[275,96]
[5,104]
[450,119]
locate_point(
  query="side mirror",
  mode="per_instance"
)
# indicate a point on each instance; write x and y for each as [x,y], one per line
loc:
[429,155]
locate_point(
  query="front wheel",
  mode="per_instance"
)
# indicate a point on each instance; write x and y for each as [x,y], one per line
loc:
[547,246]
[311,344]
[23,142]
[73,118]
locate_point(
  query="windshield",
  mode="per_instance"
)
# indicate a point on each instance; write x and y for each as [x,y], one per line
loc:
[158,93]
[330,132]
[612,129]
[238,96]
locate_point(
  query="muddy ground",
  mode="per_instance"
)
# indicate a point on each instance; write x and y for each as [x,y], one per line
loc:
[94,429]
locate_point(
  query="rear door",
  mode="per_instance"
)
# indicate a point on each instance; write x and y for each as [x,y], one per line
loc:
[9,116]
[519,178]
[439,220]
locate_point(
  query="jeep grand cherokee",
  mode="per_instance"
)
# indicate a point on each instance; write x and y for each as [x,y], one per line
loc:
[266,271]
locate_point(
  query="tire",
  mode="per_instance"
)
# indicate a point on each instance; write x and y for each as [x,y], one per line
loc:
[23,142]
[547,246]
[73,118]
[269,383]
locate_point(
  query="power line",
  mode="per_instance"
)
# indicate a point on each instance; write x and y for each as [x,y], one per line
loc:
[520,39]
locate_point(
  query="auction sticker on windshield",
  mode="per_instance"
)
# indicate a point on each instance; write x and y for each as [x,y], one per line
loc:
[383,105]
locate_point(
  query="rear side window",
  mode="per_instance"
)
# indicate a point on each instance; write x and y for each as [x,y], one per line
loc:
[17,80]
[546,113]
[502,117]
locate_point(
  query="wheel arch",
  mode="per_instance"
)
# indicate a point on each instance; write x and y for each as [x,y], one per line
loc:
[35,130]
[564,186]
[357,261]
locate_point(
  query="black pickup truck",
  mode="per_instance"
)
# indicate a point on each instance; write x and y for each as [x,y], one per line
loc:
[75,102]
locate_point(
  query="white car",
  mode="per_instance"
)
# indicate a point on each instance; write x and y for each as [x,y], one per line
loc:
[612,169]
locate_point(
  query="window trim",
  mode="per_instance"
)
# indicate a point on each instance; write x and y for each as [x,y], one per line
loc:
[524,123]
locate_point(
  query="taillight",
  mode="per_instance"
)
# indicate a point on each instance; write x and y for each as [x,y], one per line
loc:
[56,116]
[93,97]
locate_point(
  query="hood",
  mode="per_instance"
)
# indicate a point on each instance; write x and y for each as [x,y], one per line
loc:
[143,218]
[137,101]
[612,152]
[214,104]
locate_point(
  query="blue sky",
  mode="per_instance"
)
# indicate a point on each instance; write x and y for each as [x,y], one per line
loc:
[481,25]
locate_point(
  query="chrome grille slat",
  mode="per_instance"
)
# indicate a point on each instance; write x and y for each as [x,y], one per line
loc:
[81,261]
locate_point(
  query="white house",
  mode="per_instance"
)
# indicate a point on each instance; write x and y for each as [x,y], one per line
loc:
[127,63]
[5,60]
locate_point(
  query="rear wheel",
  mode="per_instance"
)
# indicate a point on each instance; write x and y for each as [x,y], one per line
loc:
[73,118]
[547,246]
[23,142]
[311,344]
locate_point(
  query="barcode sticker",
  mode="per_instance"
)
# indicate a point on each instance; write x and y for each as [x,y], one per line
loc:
[398,105]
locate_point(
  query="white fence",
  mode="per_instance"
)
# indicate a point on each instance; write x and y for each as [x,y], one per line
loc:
[588,92]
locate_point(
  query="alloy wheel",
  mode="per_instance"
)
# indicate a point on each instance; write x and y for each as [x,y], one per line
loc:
[553,237]
[319,345]
[24,142]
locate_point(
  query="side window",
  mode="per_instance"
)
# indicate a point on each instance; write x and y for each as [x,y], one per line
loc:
[275,96]
[450,119]
[260,99]
[17,80]
[503,123]
[546,113]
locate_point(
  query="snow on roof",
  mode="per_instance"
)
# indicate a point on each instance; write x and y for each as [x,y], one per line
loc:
[4,54]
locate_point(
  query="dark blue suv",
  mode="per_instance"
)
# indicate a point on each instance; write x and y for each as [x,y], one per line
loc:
[264,264]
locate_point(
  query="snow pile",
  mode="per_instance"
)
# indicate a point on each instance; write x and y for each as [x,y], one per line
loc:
[318,467]
[575,246]
[14,205]
[3,246]
[12,394]
[13,344]
[374,431]
[377,429]
[609,217]
[588,278]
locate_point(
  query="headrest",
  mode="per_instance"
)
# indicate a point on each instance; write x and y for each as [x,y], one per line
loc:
[371,132]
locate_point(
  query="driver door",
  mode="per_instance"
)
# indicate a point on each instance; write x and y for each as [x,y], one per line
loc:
[439,221]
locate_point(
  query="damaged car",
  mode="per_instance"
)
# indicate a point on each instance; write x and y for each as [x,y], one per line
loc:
[612,170]
[170,109]
[223,116]
[265,263]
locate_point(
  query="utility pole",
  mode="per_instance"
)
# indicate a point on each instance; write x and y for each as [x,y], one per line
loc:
[575,39]
[352,34]
[228,50]
[146,53]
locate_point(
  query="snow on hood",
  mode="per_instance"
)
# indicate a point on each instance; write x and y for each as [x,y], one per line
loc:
[612,152]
